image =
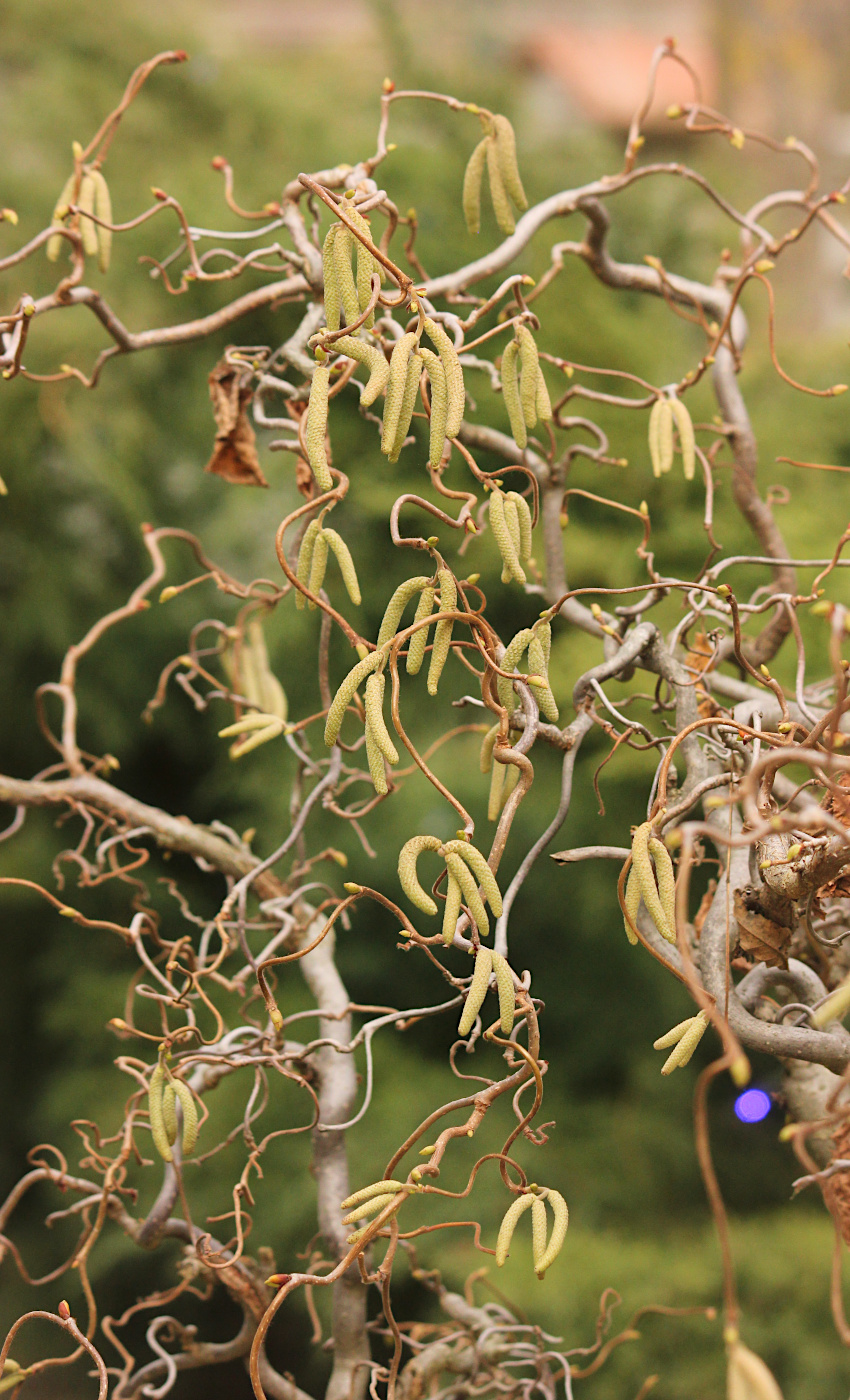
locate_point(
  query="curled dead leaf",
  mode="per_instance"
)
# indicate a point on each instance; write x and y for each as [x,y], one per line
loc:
[759,937]
[235,455]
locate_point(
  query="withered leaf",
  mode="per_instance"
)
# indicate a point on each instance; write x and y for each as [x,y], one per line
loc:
[759,937]
[235,455]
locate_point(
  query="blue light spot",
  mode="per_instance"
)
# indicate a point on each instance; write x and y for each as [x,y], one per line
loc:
[753,1105]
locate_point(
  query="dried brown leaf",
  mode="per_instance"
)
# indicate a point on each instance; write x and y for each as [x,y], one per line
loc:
[758,936]
[235,454]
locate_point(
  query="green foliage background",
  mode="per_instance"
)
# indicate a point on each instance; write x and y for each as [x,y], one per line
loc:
[84,470]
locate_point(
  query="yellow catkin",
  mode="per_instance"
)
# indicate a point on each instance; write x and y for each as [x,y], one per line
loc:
[375,760]
[543,403]
[472,178]
[345,695]
[511,780]
[539,1229]
[451,909]
[375,361]
[560,1222]
[408,856]
[342,247]
[687,438]
[485,759]
[747,1377]
[543,631]
[169,1112]
[370,1207]
[661,437]
[54,243]
[88,229]
[103,209]
[510,393]
[498,193]
[502,536]
[419,641]
[518,1207]
[524,520]
[374,701]
[317,425]
[687,1044]
[159,1132]
[443,629]
[666,878]
[190,1115]
[477,990]
[366,263]
[397,604]
[408,403]
[305,559]
[509,662]
[507,994]
[529,372]
[333,304]
[340,549]
[318,565]
[480,869]
[455,394]
[512,523]
[537,664]
[396,384]
[646,878]
[439,405]
[506,152]
[267,690]
[458,869]
[497,785]
[672,1037]
[632,902]
[366,1193]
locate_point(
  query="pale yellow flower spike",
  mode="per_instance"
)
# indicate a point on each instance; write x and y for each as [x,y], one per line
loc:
[103,209]
[472,187]
[661,436]
[506,152]
[419,641]
[439,405]
[375,759]
[305,559]
[88,229]
[477,990]
[396,384]
[169,1112]
[318,566]
[342,248]
[480,869]
[687,438]
[502,535]
[514,652]
[374,700]
[337,544]
[375,361]
[512,523]
[488,743]
[397,604]
[518,1207]
[443,629]
[190,1115]
[451,909]
[559,1232]
[332,298]
[524,521]
[538,1230]
[456,396]
[469,892]
[747,1377]
[346,693]
[367,1192]
[371,1207]
[666,877]
[685,1037]
[498,193]
[408,856]
[507,993]
[54,243]
[646,877]
[316,427]
[528,379]
[510,393]
[159,1131]
[408,403]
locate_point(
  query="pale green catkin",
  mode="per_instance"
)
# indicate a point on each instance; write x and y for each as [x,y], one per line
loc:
[305,559]
[524,519]
[374,702]
[332,298]
[88,229]
[419,641]
[559,1232]
[543,403]
[408,403]
[480,869]
[518,1206]
[370,1207]
[375,760]
[439,405]
[451,909]
[692,1032]
[367,1192]
[632,903]
[159,1132]
[510,393]
[344,276]
[506,151]
[507,995]
[538,1230]
[502,535]
[485,760]
[345,695]
[543,693]
[543,631]
[469,891]
[190,1115]
[509,662]
[443,629]
[396,383]
[661,437]
[498,193]
[408,856]
[317,425]
[366,263]
[318,566]
[375,361]
[646,878]
[666,877]
[455,394]
[512,523]
[472,187]
[477,990]
[687,438]
[103,209]
[267,691]
[397,604]
[337,544]
[169,1112]
[496,795]
[528,375]
[54,243]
